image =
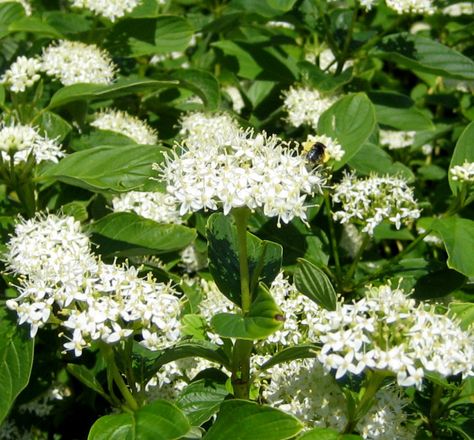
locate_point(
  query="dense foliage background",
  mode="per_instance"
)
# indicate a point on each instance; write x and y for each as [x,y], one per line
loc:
[275,199]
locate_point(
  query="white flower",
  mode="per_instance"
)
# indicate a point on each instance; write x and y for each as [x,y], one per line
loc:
[23,73]
[111,9]
[333,149]
[374,199]
[126,124]
[458,9]
[305,105]
[22,140]
[387,331]
[463,173]
[411,6]
[327,61]
[397,139]
[192,260]
[256,172]
[73,62]
[161,208]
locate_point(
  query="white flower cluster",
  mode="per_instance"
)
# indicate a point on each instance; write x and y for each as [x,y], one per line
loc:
[387,331]
[305,105]
[303,388]
[20,141]
[374,199]
[23,73]
[126,124]
[463,173]
[458,9]
[333,149]
[397,139]
[111,9]
[95,301]
[411,6]
[199,130]
[253,171]
[25,3]
[161,208]
[73,62]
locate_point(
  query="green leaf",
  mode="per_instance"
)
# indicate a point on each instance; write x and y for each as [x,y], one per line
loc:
[172,33]
[86,376]
[203,83]
[373,159]
[458,237]
[16,360]
[282,5]
[263,319]
[193,348]
[54,126]
[398,111]
[463,152]
[322,81]
[124,86]
[160,420]
[438,284]
[464,312]
[426,55]
[291,353]
[200,400]
[9,12]
[327,434]
[130,228]
[350,120]
[108,168]
[224,258]
[313,282]
[244,420]
[34,25]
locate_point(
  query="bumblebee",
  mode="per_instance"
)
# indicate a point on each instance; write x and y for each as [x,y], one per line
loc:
[315,152]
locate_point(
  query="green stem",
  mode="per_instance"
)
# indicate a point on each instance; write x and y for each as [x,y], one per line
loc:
[347,42]
[108,352]
[333,240]
[241,368]
[241,216]
[374,381]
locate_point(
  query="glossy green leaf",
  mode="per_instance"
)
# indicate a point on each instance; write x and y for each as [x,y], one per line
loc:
[200,400]
[9,13]
[193,348]
[372,159]
[350,120]
[282,5]
[130,228]
[172,33]
[398,111]
[86,376]
[464,152]
[244,420]
[203,83]
[458,237]
[314,283]
[426,55]
[291,353]
[16,360]
[263,319]
[35,26]
[327,434]
[263,256]
[54,126]
[122,87]
[108,168]
[160,420]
